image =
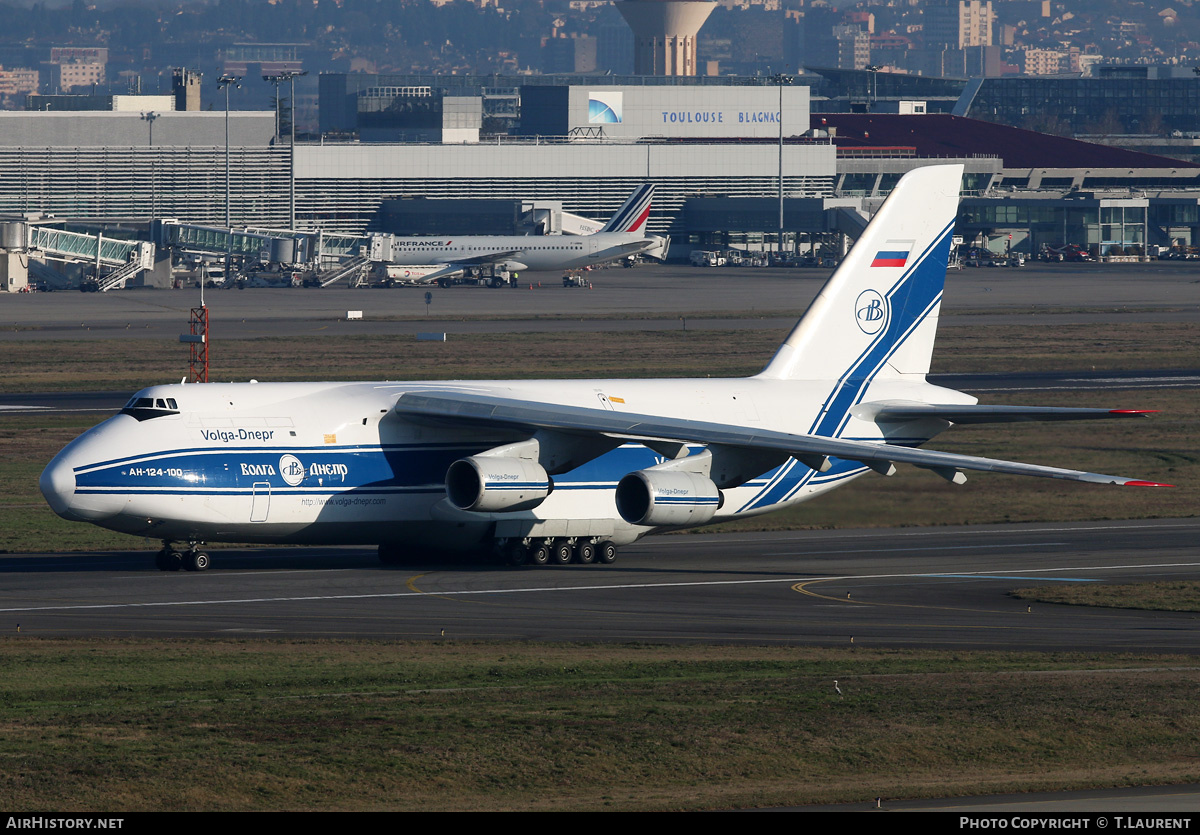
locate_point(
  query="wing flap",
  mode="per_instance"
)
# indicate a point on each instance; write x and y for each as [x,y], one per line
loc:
[489,410]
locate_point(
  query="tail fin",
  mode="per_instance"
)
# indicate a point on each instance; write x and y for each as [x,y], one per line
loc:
[632,216]
[877,314]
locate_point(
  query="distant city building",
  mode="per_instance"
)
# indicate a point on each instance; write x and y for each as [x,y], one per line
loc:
[16,84]
[569,55]
[72,74]
[70,67]
[1050,61]
[959,24]
[854,47]
[185,84]
[245,59]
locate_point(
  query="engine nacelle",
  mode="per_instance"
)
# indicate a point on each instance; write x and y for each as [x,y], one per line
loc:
[667,497]
[487,484]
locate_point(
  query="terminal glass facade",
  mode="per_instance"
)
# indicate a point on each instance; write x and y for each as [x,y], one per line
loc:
[140,182]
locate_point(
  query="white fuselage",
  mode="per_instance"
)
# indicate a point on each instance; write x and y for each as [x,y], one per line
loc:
[528,252]
[331,463]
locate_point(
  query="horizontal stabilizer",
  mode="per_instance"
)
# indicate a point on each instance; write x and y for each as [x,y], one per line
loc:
[959,413]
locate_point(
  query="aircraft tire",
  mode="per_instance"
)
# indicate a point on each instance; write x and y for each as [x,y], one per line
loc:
[516,554]
[168,560]
[562,552]
[539,553]
[197,561]
[585,553]
[606,552]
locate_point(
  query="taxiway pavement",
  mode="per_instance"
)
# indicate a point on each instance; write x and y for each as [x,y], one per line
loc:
[935,588]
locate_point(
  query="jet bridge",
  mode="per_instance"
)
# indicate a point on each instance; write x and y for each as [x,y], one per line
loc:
[289,247]
[284,247]
[124,259]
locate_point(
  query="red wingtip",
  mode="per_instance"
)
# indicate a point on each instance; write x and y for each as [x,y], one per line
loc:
[1133,411]
[1146,484]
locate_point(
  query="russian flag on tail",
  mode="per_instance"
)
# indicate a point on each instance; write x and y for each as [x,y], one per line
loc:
[890,258]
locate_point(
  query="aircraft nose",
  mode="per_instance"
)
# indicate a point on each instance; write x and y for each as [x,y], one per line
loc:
[58,486]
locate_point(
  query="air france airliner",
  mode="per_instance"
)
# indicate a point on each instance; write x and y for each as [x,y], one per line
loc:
[622,236]
[539,472]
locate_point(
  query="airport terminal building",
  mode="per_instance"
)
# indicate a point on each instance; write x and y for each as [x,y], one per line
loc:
[719,154]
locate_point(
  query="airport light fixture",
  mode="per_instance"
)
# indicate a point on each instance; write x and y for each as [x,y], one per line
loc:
[781,80]
[874,69]
[226,81]
[149,118]
[291,75]
[277,78]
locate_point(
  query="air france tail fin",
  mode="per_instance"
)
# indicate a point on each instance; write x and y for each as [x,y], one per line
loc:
[632,216]
[877,314]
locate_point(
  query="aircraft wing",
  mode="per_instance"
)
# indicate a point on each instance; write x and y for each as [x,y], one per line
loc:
[964,414]
[456,267]
[489,258]
[500,412]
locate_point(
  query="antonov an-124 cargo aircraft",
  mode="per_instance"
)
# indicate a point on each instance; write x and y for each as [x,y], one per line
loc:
[554,471]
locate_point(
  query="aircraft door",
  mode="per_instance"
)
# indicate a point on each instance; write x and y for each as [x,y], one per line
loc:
[260,503]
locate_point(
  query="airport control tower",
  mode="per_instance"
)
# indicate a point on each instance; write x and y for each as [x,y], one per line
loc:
[664,34]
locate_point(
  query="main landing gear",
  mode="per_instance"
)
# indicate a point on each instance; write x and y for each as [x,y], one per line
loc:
[191,558]
[559,551]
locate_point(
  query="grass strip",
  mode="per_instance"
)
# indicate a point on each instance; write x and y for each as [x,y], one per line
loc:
[1169,596]
[125,725]
[131,364]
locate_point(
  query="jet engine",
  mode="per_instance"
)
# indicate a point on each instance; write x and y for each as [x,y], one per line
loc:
[658,497]
[492,484]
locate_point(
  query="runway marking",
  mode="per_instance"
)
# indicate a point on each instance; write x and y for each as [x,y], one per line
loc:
[553,589]
[1004,577]
[933,548]
[800,587]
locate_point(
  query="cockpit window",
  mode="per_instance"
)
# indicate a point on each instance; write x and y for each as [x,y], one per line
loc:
[145,408]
